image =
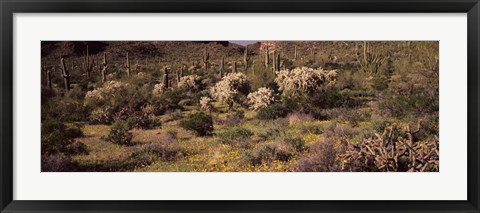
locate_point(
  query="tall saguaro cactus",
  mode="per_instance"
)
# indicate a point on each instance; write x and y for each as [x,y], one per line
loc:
[105,67]
[372,59]
[65,74]
[234,66]
[274,61]
[48,75]
[165,78]
[205,59]
[266,56]
[246,58]
[127,65]
[182,70]
[49,79]
[177,73]
[87,66]
[277,62]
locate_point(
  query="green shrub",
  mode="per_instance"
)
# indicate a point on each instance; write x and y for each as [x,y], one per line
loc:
[171,98]
[234,135]
[411,97]
[176,115]
[56,136]
[268,152]
[200,123]
[296,142]
[237,114]
[76,148]
[272,112]
[120,133]
[185,102]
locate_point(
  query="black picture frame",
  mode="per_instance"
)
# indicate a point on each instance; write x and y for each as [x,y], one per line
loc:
[9,7]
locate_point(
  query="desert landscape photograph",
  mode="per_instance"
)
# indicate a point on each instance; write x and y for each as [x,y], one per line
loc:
[240,106]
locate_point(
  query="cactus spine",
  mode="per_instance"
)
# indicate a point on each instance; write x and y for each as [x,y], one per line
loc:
[65,74]
[206,58]
[87,66]
[127,65]
[105,67]
[165,77]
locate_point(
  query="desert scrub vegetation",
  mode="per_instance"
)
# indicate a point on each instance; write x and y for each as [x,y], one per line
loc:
[276,106]
[200,123]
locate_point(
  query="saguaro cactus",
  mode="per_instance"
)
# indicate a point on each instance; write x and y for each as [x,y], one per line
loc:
[127,65]
[234,66]
[105,67]
[372,60]
[277,61]
[177,73]
[165,77]
[87,66]
[205,59]
[266,55]
[182,70]
[48,75]
[49,79]
[246,58]
[274,61]
[65,74]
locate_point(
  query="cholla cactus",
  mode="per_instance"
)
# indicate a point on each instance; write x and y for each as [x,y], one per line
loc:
[109,89]
[261,98]
[392,152]
[301,79]
[206,103]
[100,114]
[190,82]
[229,88]
[105,99]
[332,75]
[141,75]
[158,89]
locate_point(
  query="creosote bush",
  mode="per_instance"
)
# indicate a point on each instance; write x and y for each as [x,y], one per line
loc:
[200,123]
[235,135]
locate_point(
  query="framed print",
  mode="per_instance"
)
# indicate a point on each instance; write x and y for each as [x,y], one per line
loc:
[239,106]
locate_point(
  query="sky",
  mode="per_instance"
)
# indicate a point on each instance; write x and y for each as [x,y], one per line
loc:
[247,42]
